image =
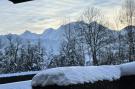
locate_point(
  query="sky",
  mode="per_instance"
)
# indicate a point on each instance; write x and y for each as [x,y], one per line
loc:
[38,15]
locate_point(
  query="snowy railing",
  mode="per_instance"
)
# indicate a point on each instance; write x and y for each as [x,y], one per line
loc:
[15,77]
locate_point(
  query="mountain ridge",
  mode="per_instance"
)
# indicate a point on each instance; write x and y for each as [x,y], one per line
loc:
[51,38]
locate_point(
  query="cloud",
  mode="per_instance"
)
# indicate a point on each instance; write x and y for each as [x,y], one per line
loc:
[36,16]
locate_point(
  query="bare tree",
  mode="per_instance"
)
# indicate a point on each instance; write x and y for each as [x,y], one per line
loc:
[11,52]
[96,35]
[119,40]
[128,17]
[70,49]
[39,55]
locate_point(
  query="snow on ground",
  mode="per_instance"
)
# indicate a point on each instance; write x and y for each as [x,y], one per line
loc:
[17,85]
[18,74]
[127,69]
[74,75]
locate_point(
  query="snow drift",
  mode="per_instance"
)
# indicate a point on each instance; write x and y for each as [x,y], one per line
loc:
[63,76]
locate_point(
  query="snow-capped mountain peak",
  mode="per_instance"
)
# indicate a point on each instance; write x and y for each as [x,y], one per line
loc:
[29,35]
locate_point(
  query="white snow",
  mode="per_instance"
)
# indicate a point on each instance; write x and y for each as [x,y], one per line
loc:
[127,69]
[76,75]
[17,85]
[79,75]
[72,75]
[18,74]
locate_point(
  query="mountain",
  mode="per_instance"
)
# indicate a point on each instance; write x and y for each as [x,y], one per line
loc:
[46,32]
[129,27]
[51,38]
[29,35]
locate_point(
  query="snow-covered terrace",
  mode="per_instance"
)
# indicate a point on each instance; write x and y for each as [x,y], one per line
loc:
[63,76]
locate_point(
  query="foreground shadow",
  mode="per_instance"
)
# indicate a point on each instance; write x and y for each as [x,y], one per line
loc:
[125,82]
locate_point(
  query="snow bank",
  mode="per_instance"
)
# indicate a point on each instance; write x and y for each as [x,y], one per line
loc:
[76,75]
[18,74]
[127,69]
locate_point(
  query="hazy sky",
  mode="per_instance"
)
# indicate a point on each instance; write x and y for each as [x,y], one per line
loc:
[38,15]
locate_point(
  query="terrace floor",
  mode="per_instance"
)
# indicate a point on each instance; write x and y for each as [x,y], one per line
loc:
[17,85]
